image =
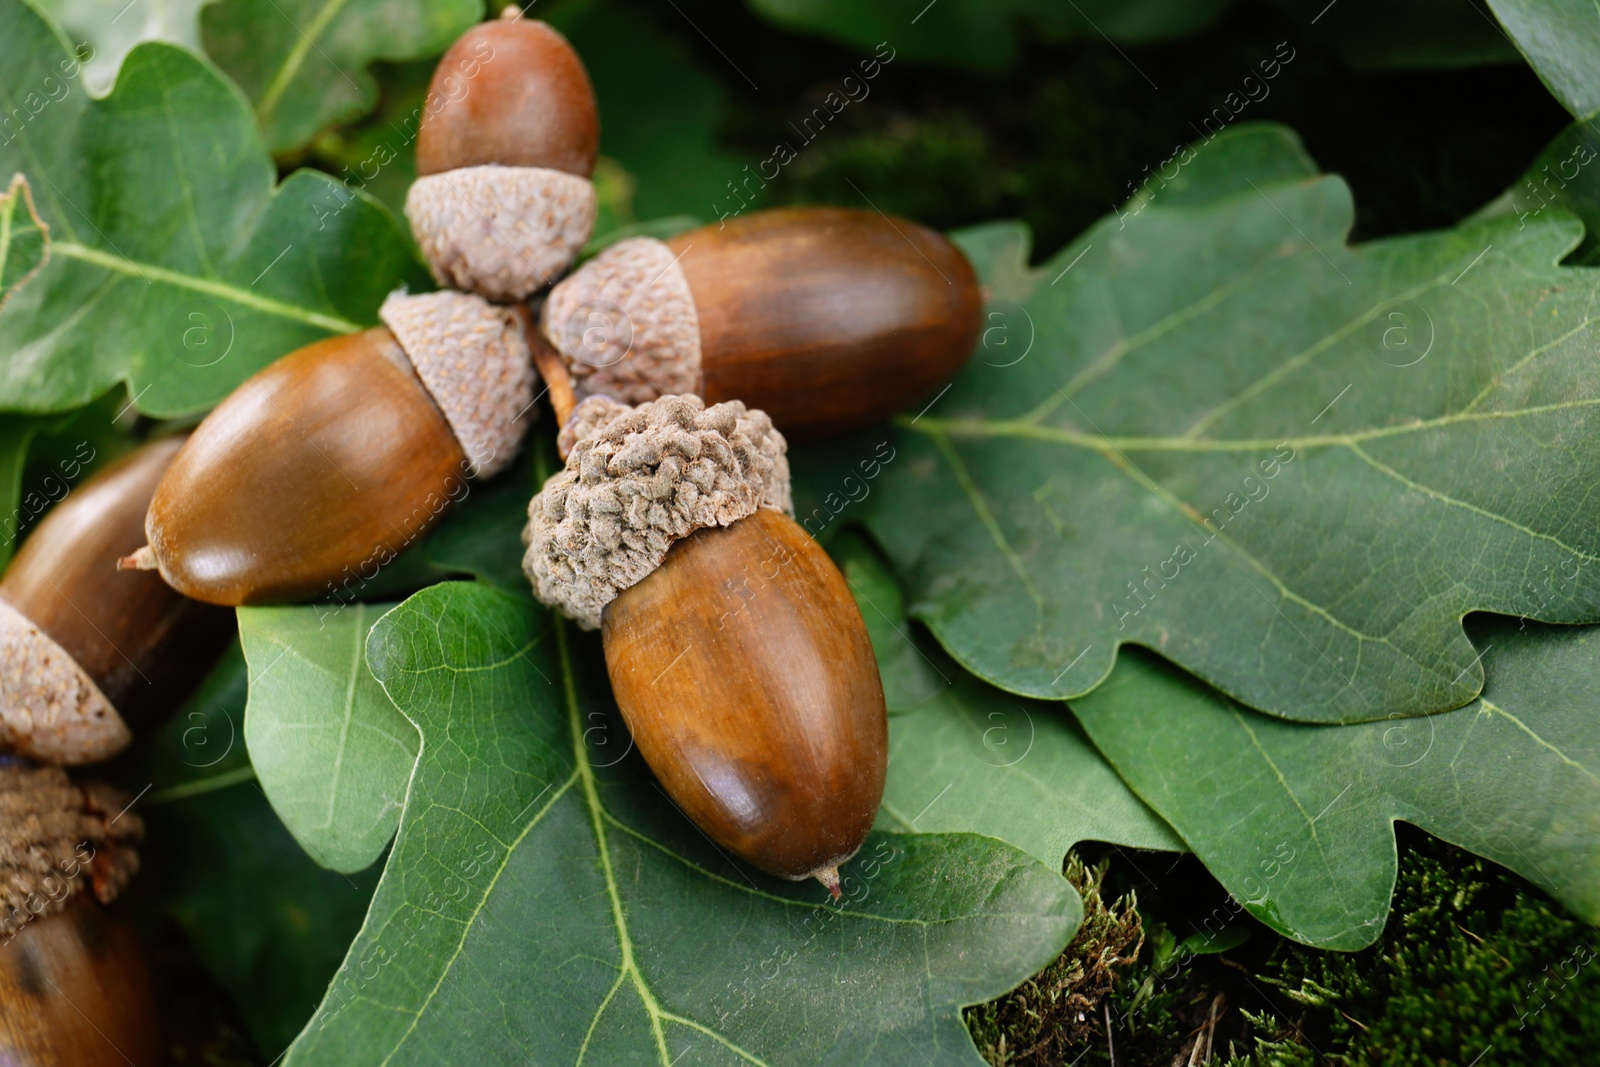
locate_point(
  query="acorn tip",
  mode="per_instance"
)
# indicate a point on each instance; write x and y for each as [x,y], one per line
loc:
[142,560]
[829,876]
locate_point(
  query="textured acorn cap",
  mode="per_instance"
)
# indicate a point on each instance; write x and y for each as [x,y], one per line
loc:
[473,359]
[626,324]
[591,415]
[505,232]
[639,481]
[58,839]
[50,709]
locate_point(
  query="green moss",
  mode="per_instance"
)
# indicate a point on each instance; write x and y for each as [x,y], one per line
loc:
[1474,965]
[1061,1006]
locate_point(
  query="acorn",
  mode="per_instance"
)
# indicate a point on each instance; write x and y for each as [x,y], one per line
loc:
[86,653]
[74,989]
[825,318]
[509,135]
[319,470]
[736,653]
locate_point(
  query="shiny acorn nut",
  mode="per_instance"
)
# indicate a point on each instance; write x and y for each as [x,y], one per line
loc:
[324,466]
[825,318]
[755,699]
[507,141]
[87,653]
[736,653]
[74,990]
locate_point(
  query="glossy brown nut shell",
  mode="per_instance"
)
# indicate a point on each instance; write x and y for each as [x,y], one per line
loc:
[144,645]
[512,92]
[825,318]
[745,674]
[311,475]
[75,992]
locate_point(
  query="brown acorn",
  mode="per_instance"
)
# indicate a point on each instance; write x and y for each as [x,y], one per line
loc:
[75,992]
[736,653]
[74,989]
[506,143]
[319,470]
[825,318]
[86,653]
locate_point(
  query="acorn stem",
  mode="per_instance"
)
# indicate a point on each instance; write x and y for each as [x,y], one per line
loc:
[142,560]
[829,876]
[553,369]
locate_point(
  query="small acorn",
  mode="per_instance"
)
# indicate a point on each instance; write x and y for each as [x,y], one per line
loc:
[503,202]
[86,653]
[736,653]
[74,989]
[825,318]
[320,469]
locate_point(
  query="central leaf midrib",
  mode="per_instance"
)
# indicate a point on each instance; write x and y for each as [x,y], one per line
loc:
[357,664]
[591,793]
[598,816]
[1019,429]
[209,286]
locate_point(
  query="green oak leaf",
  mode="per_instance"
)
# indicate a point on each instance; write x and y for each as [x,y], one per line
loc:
[1561,40]
[543,900]
[174,265]
[330,750]
[267,921]
[1564,177]
[986,33]
[303,63]
[1296,820]
[967,757]
[1211,428]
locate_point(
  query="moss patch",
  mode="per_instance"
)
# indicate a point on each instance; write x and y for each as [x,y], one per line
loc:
[1475,966]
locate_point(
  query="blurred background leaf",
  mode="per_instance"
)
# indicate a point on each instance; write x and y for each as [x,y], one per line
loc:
[269,923]
[303,63]
[1561,40]
[107,30]
[1402,34]
[986,33]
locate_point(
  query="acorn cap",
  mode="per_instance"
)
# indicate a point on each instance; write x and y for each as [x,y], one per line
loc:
[473,359]
[50,709]
[58,839]
[505,232]
[626,324]
[637,482]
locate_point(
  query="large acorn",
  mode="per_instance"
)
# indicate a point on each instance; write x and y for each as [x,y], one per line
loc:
[737,656]
[507,141]
[74,989]
[825,318]
[319,470]
[86,653]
